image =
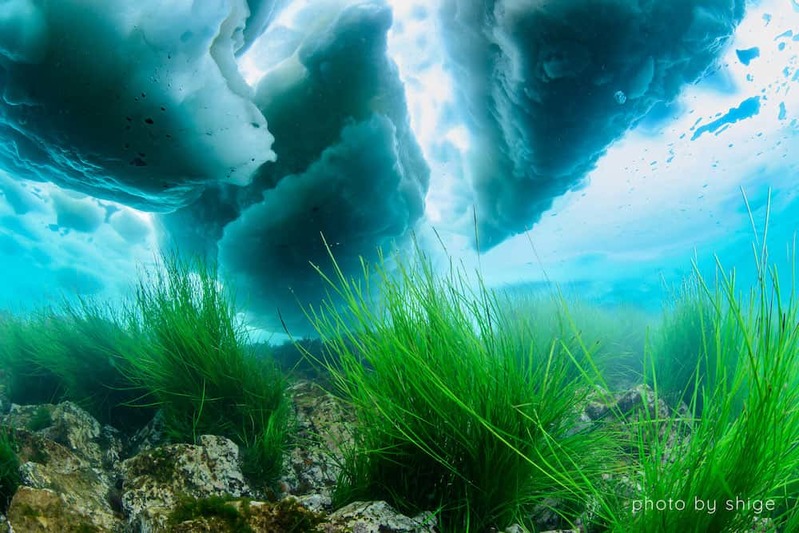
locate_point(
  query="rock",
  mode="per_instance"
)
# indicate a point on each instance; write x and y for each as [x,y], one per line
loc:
[516,528]
[322,430]
[74,428]
[82,489]
[631,407]
[23,416]
[377,517]
[316,502]
[596,409]
[286,515]
[5,405]
[547,514]
[217,515]
[642,396]
[150,436]
[155,480]
[43,510]
[64,449]
[674,428]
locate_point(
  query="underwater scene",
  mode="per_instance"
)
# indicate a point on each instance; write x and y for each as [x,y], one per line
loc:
[394,266]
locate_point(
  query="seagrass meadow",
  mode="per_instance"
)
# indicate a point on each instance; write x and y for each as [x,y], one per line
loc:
[430,266]
[486,408]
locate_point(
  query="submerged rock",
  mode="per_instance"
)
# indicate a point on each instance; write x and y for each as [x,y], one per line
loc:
[156,480]
[152,435]
[71,426]
[66,469]
[75,477]
[216,515]
[45,510]
[377,517]
[5,405]
[323,427]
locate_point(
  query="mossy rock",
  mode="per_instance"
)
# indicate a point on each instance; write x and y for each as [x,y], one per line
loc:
[158,464]
[242,516]
[216,511]
[41,418]
[286,515]
[42,510]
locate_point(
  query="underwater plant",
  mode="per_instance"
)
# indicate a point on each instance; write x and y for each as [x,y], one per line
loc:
[450,413]
[193,359]
[177,347]
[74,353]
[684,349]
[736,468]
[212,507]
[91,342]
[26,380]
[88,346]
[614,336]
[9,469]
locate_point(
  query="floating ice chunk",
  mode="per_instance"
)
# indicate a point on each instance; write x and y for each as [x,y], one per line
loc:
[138,102]
[640,83]
[23,31]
